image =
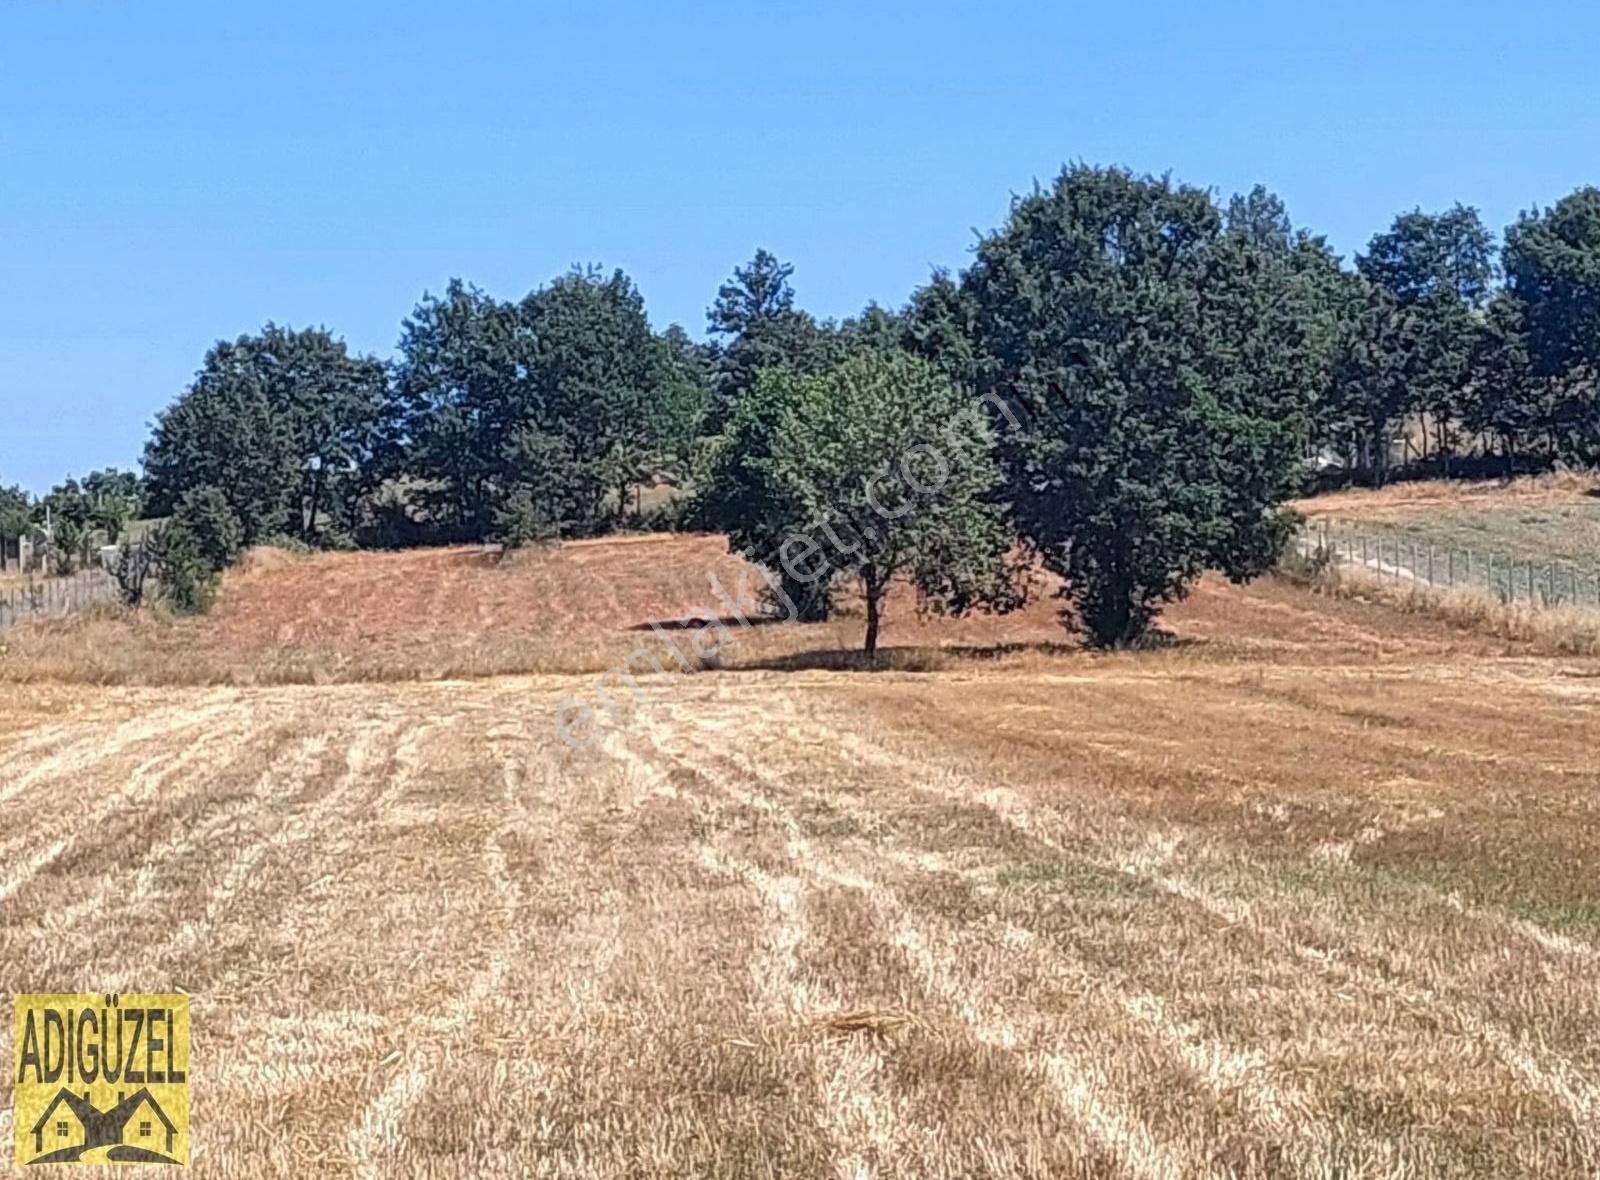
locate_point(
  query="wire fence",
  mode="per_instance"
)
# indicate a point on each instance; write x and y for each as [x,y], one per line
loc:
[47,597]
[1510,579]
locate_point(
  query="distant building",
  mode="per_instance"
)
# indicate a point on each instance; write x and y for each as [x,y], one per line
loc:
[22,553]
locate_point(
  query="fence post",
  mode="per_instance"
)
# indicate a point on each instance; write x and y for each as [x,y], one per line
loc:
[1430,563]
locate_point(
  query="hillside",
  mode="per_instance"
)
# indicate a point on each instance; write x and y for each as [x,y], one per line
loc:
[583,607]
[1305,892]
[1545,519]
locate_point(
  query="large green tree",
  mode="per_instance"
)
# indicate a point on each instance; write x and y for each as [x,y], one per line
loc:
[531,414]
[1506,401]
[938,326]
[738,493]
[284,422]
[1438,271]
[876,469]
[464,397]
[1371,391]
[1325,292]
[756,326]
[1552,263]
[622,398]
[1157,374]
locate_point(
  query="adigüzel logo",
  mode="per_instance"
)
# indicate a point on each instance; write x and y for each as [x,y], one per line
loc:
[101,1079]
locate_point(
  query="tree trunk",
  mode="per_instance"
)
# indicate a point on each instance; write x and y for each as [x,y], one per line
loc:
[311,519]
[874,595]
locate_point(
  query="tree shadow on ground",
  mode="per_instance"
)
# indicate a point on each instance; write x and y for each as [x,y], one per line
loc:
[936,659]
[700,622]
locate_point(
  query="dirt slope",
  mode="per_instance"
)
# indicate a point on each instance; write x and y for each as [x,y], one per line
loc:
[584,607]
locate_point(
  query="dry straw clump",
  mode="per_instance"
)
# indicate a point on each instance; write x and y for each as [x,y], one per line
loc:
[1555,630]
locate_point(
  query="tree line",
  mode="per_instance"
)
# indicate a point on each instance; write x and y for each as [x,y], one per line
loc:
[1125,383]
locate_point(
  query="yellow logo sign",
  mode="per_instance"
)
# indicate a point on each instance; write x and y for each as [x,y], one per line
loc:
[102,1079]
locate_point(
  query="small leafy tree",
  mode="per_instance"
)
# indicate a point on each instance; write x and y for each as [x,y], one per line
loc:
[187,554]
[206,516]
[187,578]
[16,512]
[881,468]
[66,545]
[739,494]
[522,520]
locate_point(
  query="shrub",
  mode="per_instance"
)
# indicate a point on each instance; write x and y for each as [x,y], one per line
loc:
[521,520]
[67,546]
[187,576]
[287,543]
[205,515]
[136,565]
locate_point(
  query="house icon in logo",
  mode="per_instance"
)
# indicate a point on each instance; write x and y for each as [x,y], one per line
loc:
[134,1131]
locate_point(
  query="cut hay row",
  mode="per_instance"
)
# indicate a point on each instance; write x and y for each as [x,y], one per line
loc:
[1021,924]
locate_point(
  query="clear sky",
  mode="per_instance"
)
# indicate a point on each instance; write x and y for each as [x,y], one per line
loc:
[171,173]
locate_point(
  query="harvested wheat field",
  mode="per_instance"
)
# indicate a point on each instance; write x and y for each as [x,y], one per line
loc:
[1311,891]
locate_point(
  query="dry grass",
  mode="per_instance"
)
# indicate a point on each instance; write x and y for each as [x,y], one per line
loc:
[1310,890]
[1539,520]
[1419,497]
[1145,918]
[588,607]
[1546,630]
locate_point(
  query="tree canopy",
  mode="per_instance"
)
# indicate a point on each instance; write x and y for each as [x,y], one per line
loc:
[1159,372]
[877,468]
[16,511]
[1160,377]
[284,423]
[757,326]
[1552,262]
[528,414]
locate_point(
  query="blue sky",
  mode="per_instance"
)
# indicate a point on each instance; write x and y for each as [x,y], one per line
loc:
[171,173]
